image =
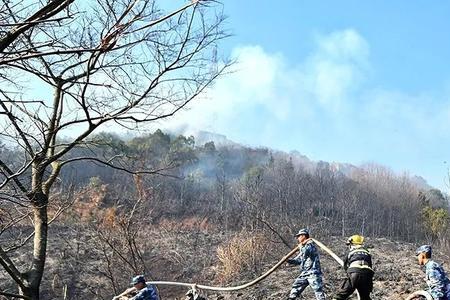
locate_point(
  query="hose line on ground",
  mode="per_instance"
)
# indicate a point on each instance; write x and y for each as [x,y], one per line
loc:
[418,294]
[231,288]
[267,273]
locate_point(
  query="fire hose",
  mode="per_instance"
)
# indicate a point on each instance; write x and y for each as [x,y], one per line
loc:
[194,286]
[420,294]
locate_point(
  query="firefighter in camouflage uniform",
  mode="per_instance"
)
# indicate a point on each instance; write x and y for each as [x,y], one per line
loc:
[309,263]
[437,280]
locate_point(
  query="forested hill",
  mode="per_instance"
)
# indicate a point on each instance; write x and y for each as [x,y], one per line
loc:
[239,186]
[178,209]
[244,186]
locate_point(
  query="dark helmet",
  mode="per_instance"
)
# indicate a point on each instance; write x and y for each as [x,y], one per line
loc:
[137,279]
[423,249]
[303,231]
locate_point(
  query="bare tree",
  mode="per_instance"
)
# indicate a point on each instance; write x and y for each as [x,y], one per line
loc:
[68,68]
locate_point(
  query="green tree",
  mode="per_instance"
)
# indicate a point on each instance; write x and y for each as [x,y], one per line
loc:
[436,221]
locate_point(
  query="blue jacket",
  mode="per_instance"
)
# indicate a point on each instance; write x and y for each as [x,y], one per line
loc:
[308,260]
[147,293]
[437,280]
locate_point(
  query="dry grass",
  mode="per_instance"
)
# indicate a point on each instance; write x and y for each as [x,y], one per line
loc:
[243,253]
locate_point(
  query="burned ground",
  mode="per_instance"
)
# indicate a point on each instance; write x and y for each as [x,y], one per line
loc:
[77,267]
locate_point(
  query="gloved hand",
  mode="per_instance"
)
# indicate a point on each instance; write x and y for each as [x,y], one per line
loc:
[292,261]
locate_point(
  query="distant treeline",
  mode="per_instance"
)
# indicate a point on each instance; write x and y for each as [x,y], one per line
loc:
[233,187]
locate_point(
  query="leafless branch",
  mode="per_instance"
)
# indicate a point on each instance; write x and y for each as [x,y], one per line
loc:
[14,295]
[124,169]
[46,12]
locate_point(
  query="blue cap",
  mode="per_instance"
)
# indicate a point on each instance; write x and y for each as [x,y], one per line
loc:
[423,249]
[137,279]
[303,231]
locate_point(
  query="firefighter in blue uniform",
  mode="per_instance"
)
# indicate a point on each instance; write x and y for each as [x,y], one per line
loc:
[140,290]
[310,272]
[437,280]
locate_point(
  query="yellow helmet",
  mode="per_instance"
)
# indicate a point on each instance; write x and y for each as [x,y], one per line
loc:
[355,240]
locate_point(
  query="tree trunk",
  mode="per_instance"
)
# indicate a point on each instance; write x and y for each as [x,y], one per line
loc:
[34,276]
[31,293]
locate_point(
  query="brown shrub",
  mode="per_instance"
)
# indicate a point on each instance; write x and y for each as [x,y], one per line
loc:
[243,253]
[110,217]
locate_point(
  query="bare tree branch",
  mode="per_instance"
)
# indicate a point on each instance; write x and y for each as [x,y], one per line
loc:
[14,295]
[114,63]
[9,267]
[124,169]
[52,8]
[13,176]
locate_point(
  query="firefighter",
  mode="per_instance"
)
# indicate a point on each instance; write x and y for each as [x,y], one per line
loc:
[140,290]
[358,266]
[437,280]
[310,272]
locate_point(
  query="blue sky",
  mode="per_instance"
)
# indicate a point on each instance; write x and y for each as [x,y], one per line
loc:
[345,81]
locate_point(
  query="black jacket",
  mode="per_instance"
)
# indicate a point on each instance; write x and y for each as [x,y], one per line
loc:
[358,260]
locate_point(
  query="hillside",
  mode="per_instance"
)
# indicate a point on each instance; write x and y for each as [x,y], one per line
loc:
[218,215]
[190,255]
[397,274]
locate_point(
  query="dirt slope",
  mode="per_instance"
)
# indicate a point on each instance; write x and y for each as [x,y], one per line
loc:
[191,256]
[397,274]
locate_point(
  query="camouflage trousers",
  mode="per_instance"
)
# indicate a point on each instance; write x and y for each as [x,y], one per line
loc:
[436,296]
[301,282]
